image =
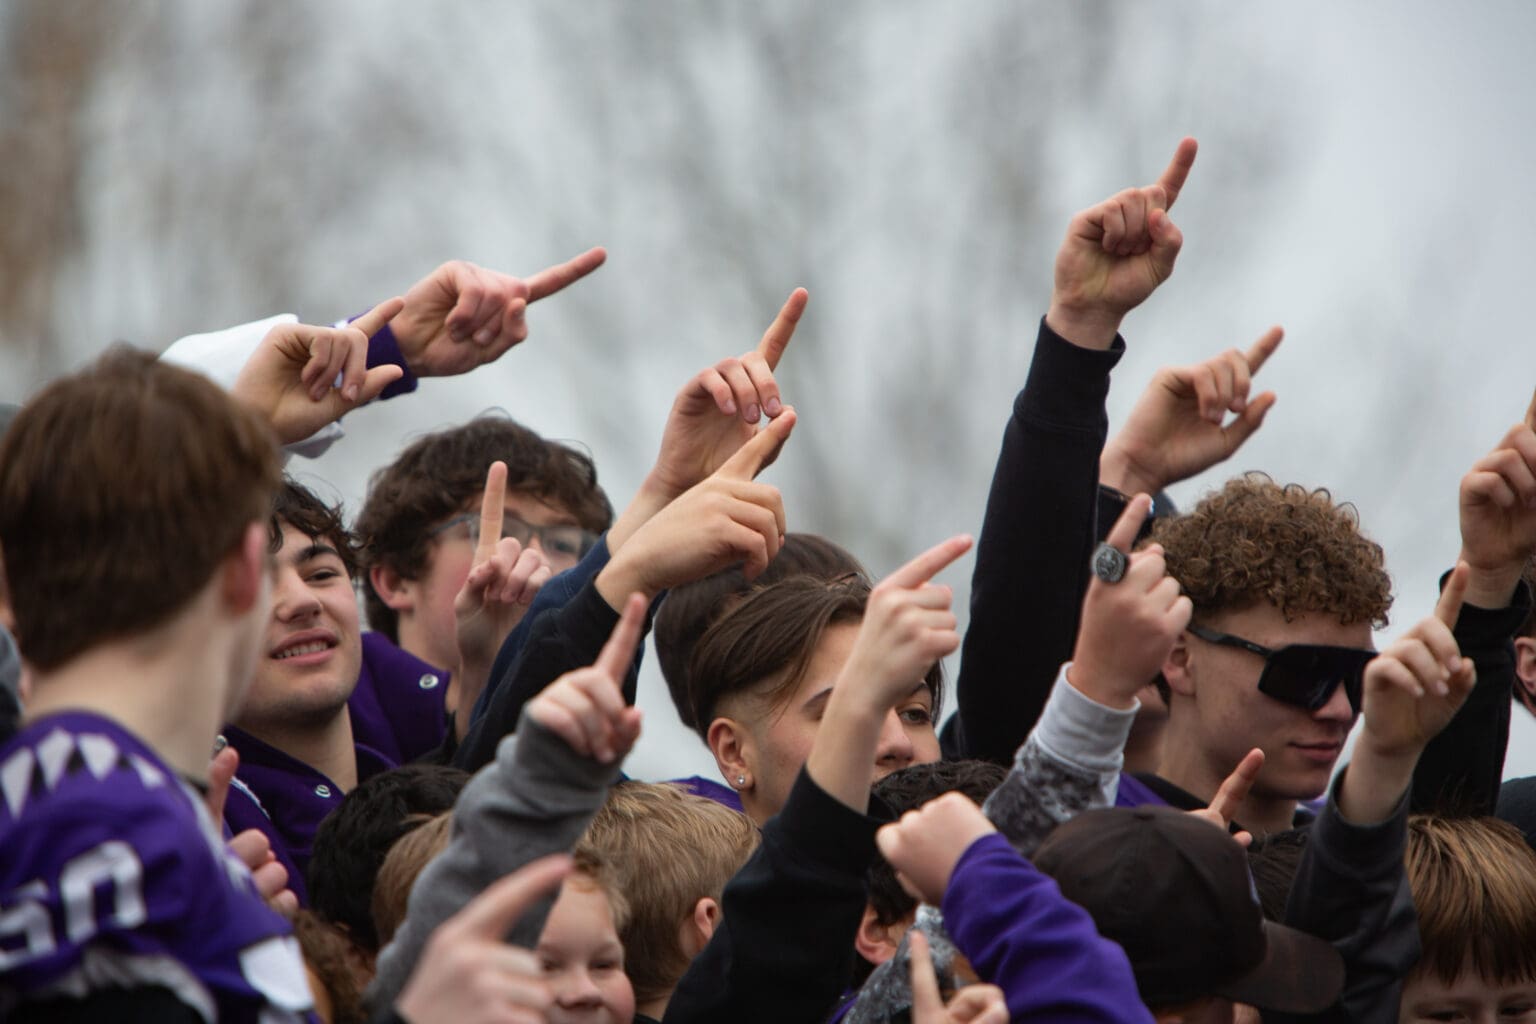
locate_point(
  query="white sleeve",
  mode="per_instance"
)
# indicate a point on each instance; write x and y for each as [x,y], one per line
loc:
[219,355]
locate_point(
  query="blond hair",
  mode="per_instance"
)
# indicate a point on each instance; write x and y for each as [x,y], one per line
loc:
[667,849]
[405,860]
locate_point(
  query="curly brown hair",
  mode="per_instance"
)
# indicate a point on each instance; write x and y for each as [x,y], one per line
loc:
[1255,540]
[439,473]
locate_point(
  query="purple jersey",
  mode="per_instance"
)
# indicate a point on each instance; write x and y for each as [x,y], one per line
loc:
[113,875]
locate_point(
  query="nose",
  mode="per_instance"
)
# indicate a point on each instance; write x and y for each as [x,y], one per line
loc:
[1337,709]
[291,597]
[894,749]
[574,989]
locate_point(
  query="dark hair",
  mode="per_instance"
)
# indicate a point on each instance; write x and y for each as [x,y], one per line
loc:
[353,840]
[772,635]
[907,790]
[438,474]
[297,506]
[692,608]
[122,487]
[1272,861]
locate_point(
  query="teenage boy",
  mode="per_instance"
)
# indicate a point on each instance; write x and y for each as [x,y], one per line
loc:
[133,500]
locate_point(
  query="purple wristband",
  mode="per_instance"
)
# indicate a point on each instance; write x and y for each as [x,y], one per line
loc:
[384,350]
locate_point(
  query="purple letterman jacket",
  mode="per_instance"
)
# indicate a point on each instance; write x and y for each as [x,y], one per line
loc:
[397,716]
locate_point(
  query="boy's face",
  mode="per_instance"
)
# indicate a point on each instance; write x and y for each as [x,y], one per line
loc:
[1231,716]
[311,651]
[1471,1000]
[583,958]
[432,634]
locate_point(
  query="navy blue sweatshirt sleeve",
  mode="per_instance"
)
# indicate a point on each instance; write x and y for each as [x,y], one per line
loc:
[1460,771]
[1032,555]
[1022,935]
[784,949]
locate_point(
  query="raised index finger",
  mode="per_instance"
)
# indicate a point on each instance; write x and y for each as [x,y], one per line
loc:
[751,458]
[493,506]
[373,321]
[1448,608]
[547,282]
[1235,789]
[776,339]
[1177,171]
[617,654]
[928,564]
[1123,534]
[1265,347]
[927,1004]
[492,914]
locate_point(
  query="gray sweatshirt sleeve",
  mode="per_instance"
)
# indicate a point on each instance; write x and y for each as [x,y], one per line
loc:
[536,798]
[1070,763]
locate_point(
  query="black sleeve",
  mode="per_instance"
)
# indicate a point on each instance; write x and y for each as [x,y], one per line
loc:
[111,1006]
[562,639]
[1460,771]
[784,949]
[1032,556]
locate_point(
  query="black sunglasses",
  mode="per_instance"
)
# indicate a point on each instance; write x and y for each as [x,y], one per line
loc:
[1302,674]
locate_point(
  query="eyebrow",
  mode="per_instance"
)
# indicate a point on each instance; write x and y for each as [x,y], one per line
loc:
[820,698]
[315,550]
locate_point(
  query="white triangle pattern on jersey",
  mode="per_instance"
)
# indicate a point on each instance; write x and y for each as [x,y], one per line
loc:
[16,779]
[53,754]
[99,752]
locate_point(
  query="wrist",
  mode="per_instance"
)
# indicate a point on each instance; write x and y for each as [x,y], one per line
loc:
[1117,470]
[651,498]
[1083,327]
[1490,587]
[617,581]
[1089,682]
[1374,783]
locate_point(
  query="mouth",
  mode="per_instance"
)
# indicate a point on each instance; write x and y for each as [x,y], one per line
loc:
[307,646]
[1325,751]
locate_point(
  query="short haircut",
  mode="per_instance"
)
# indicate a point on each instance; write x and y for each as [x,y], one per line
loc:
[692,608]
[411,852]
[1474,884]
[299,507]
[1255,541]
[353,840]
[330,963]
[122,487]
[669,849]
[771,637]
[440,473]
[591,868]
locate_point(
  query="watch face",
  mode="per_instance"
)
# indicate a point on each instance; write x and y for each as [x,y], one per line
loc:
[1108,563]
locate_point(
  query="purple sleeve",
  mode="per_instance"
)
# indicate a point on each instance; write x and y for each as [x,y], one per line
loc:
[384,350]
[1040,948]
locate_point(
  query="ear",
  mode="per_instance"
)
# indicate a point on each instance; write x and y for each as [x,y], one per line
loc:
[393,589]
[699,927]
[1525,663]
[874,941]
[1176,668]
[244,573]
[731,743]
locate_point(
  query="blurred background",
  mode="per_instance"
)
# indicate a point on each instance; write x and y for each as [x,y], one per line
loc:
[1363,179]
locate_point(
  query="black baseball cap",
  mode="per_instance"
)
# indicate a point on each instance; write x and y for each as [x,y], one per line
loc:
[1174,891]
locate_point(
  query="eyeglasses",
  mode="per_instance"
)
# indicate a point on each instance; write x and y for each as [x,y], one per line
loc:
[558,542]
[1304,675]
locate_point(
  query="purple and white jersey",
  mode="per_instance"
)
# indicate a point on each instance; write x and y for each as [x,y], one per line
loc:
[113,875]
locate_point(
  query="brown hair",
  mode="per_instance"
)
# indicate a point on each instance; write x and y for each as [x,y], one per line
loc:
[591,867]
[122,487]
[669,850]
[1474,884]
[771,637]
[428,837]
[692,608]
[301,508]
[1255,540]
[440,473]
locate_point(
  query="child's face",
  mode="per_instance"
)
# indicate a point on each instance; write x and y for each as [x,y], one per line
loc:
[1471,1000]
[583,958]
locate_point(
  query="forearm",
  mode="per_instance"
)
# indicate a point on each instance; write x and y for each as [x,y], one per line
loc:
[844,749]
[1036,538]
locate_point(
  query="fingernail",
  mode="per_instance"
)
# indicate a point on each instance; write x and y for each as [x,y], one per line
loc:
[351,392]
[730,407]
[482,336]
[773,407]
[753,413]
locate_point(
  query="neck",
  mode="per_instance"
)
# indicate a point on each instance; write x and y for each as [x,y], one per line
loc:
[416,639]
[1144,747]
[170,687]
[1186,764]
[327,747]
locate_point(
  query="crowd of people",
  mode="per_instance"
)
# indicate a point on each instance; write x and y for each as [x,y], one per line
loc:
[222,798]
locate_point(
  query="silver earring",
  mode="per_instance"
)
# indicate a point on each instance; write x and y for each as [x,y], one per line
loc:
[741,780]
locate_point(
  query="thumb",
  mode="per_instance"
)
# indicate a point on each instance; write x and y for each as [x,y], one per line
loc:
[1448,608]
[491,915]
[927,1004]
[758,454]
[1244,427]
[221,771]
[1167,240]
[371,322]
[776,339]
[1122,536]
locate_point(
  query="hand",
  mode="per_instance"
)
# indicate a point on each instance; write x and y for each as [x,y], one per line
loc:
[290,378]
[252,846]
[1115,255]
[502,583]
[926,844]
[1176,430]
[468,973]
[462,316]
[907,627]
[973,1004]
[1229,798]
[586,708]
[726,519]
[1498,515]
[1128,627]
[1415,687]
[718,410]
